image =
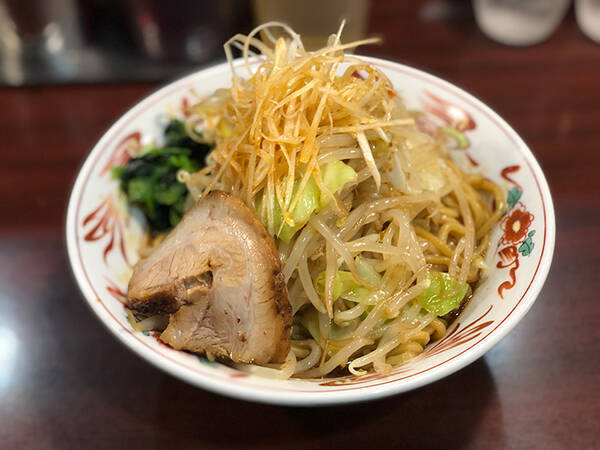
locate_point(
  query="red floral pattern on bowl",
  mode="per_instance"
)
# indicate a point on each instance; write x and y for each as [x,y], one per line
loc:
[516,224]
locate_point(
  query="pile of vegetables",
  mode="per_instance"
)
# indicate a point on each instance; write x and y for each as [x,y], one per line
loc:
[335,175]
[150,180]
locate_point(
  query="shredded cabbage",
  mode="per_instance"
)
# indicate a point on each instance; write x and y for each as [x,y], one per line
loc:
[444,293]
[335,175]
[346,286]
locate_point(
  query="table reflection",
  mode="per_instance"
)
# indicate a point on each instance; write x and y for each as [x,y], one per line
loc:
[8,355]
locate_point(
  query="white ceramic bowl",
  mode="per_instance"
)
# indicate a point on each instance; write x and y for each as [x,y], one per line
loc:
[102,240]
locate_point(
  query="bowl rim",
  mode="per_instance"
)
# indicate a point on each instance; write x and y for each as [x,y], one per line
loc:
[341,396]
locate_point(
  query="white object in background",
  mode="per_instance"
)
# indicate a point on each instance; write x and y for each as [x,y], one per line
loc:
[588,18]
[519,22]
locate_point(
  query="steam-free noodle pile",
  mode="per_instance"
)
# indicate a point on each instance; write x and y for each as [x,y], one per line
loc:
[379,232]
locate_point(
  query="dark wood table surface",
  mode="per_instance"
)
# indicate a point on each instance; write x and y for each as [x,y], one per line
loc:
[66,383]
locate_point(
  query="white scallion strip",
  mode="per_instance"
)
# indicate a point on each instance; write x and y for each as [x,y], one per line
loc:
[340,358]
[453,267]
[309,287]
[297,251]
[339,154]
[275,371]
[350,314]
[368,155]
[340,248]
[311,360]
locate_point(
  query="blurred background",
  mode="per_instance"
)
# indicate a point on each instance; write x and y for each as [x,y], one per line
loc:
[84,41]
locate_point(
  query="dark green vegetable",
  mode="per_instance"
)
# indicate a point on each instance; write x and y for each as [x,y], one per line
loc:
[150,180]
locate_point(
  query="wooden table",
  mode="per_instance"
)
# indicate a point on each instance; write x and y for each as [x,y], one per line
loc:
[69,384]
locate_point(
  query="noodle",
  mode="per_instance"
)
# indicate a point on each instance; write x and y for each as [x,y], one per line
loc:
[358,256]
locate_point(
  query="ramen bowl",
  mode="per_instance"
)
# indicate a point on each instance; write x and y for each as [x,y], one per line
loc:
[103,238]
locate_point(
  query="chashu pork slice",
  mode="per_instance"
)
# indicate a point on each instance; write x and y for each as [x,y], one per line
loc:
[218,275]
